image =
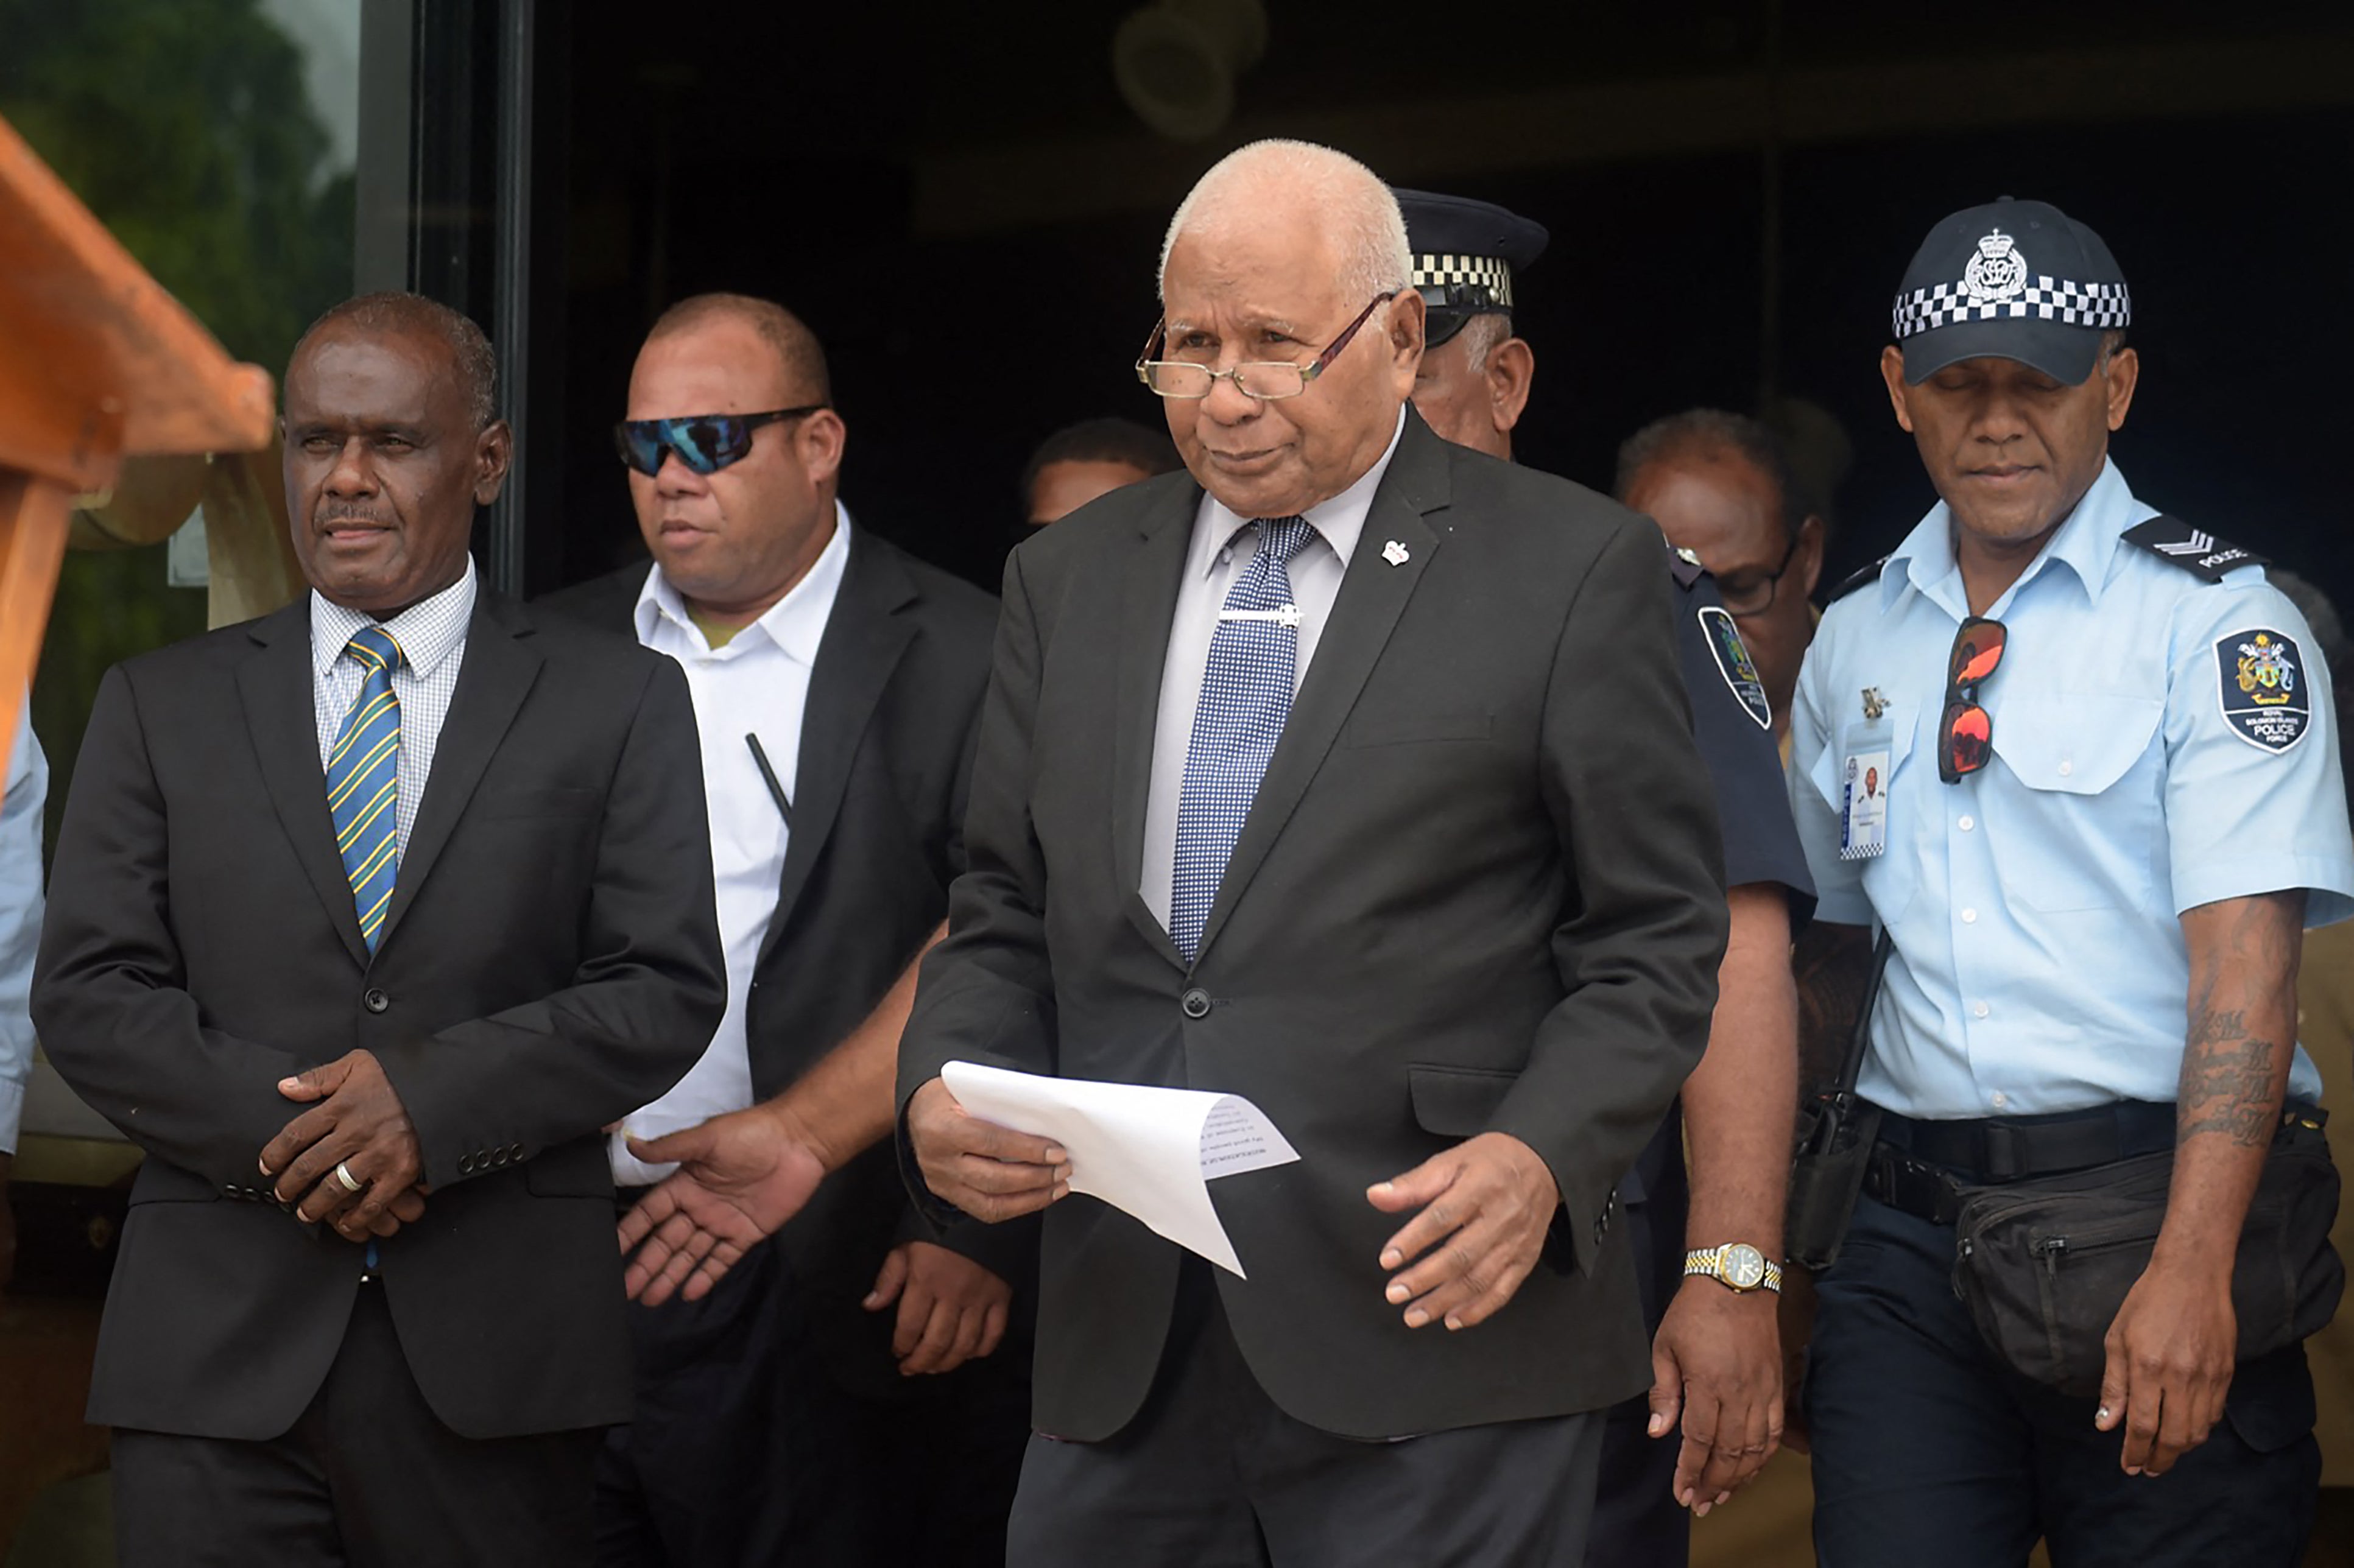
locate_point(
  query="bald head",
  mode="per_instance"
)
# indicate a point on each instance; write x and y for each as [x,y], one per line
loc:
[800,358]
[1344,200]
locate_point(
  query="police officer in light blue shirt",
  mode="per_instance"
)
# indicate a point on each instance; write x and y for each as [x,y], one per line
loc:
[26,788]
[2071,756]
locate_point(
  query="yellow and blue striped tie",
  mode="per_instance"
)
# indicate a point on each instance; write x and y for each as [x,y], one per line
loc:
[363,781]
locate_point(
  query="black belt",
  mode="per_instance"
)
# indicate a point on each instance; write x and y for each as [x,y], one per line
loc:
[2011,1148]
[1920,1167]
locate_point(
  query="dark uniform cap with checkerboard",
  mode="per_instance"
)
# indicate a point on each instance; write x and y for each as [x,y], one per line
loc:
[2011,280]
[1465,253]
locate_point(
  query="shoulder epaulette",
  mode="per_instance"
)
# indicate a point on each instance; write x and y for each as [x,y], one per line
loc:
[1855,581]
[2195,550]
[1685,566]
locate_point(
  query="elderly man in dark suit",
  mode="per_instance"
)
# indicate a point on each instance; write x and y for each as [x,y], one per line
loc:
[792,1409]
[1330,773]
[367,916]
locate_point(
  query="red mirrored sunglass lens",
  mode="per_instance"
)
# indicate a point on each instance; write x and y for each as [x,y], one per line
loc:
[1976,652]
[1969,737]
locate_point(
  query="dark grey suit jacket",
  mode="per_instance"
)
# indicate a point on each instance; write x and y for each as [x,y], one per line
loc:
[877,835]
[1479,889]
[550,961]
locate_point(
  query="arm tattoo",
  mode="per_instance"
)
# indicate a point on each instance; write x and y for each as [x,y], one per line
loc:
[2227,1083]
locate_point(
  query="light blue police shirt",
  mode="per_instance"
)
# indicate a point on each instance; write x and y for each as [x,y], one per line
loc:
[20,920]
[2039,962]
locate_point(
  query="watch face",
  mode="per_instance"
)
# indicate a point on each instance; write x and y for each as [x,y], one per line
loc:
[1744,1267]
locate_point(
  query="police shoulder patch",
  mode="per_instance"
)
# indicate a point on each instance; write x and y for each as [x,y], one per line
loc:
[2263,690]
[1733,661]
[2195,550]
[1854,580]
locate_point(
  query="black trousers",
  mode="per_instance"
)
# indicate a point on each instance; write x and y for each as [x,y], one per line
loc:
[1638,1523]
[369,1477]
[747,1450]
[1929,1452]
[1211,1474]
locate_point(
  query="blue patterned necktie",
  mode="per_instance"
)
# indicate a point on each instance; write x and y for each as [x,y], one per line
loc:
[363,781]
[1245,696]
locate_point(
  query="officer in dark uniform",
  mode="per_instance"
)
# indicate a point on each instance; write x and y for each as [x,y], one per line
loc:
[1707,1242]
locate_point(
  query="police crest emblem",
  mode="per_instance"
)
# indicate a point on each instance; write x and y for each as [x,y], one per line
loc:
[2263,692]
[1998,272]
[1733,661]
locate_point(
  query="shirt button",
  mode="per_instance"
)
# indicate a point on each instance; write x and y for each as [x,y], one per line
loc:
[1969,917]
[2000,1099]
[374,1001]
[1967,823]
[1195,1003]
[1979,1011]
[2066,769]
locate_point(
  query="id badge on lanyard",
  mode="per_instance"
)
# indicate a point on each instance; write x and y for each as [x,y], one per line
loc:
[1865,751]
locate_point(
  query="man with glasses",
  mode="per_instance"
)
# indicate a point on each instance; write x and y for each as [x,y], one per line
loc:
[2097,838]
[790,1403]
[1310,775]
[1723,486]
[1716,1360]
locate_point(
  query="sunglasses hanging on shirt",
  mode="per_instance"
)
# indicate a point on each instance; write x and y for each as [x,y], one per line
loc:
[1966,733]
[704,442]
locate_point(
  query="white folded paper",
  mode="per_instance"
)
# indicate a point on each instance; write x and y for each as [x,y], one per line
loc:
[1149,1152]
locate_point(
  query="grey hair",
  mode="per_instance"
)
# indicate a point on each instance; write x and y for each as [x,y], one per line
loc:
[1481,336]
[1357,208]
[393,311]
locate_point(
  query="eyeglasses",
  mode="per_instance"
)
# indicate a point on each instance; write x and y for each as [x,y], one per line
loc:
[704,442]
[1754,596]
[1966,733]
[1261,380]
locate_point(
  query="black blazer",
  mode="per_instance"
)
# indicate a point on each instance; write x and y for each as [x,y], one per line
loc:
[1479,889]
[877,835]
[549,962]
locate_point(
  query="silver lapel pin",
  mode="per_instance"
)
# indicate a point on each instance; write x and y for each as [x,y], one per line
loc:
[1394,553]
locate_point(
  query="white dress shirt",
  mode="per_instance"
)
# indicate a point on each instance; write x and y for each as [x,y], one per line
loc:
[1223,545]
[432,638]
[20,920]
[757,683]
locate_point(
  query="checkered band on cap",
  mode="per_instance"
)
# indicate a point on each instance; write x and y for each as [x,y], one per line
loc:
[1445,271]
[2048,299]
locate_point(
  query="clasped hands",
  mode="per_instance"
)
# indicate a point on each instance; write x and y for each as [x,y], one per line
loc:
[355,1122]
[1483,1206]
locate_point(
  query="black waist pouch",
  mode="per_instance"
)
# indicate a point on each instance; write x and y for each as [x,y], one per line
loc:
[2045,1264]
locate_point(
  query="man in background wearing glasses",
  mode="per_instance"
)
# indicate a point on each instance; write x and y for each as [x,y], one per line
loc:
[2086,824]
[1722,485]
[1327,773]
[783,1410]
[1713,1414]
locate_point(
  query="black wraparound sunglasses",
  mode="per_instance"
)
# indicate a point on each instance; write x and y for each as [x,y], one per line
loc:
[704,442]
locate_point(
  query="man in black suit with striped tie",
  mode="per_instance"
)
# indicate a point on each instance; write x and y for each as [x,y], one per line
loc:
[367,917]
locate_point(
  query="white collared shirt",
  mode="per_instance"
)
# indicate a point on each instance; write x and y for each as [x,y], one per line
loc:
[757,683]
[20,918]
[1222,546]
[432,637]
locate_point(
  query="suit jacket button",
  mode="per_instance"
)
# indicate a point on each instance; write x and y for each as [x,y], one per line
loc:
[515,1151]
[375,1001]
[466,1165]
[1195,1003]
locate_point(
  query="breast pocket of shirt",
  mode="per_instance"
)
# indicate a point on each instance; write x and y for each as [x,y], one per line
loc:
[2089,829]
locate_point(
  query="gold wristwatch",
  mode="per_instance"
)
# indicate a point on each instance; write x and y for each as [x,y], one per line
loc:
[1736,1265]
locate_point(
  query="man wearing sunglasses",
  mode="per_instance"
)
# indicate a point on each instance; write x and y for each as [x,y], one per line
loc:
[1716,1361]
[1308,775]
[2107,799]
[790,1401]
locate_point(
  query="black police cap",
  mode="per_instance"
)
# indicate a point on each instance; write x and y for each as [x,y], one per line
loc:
[2011,280]
[1465,254]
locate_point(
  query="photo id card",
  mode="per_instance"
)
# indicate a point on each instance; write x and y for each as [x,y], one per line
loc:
[1864,811]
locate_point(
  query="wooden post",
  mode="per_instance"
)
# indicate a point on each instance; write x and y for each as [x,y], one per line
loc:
[101,364]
